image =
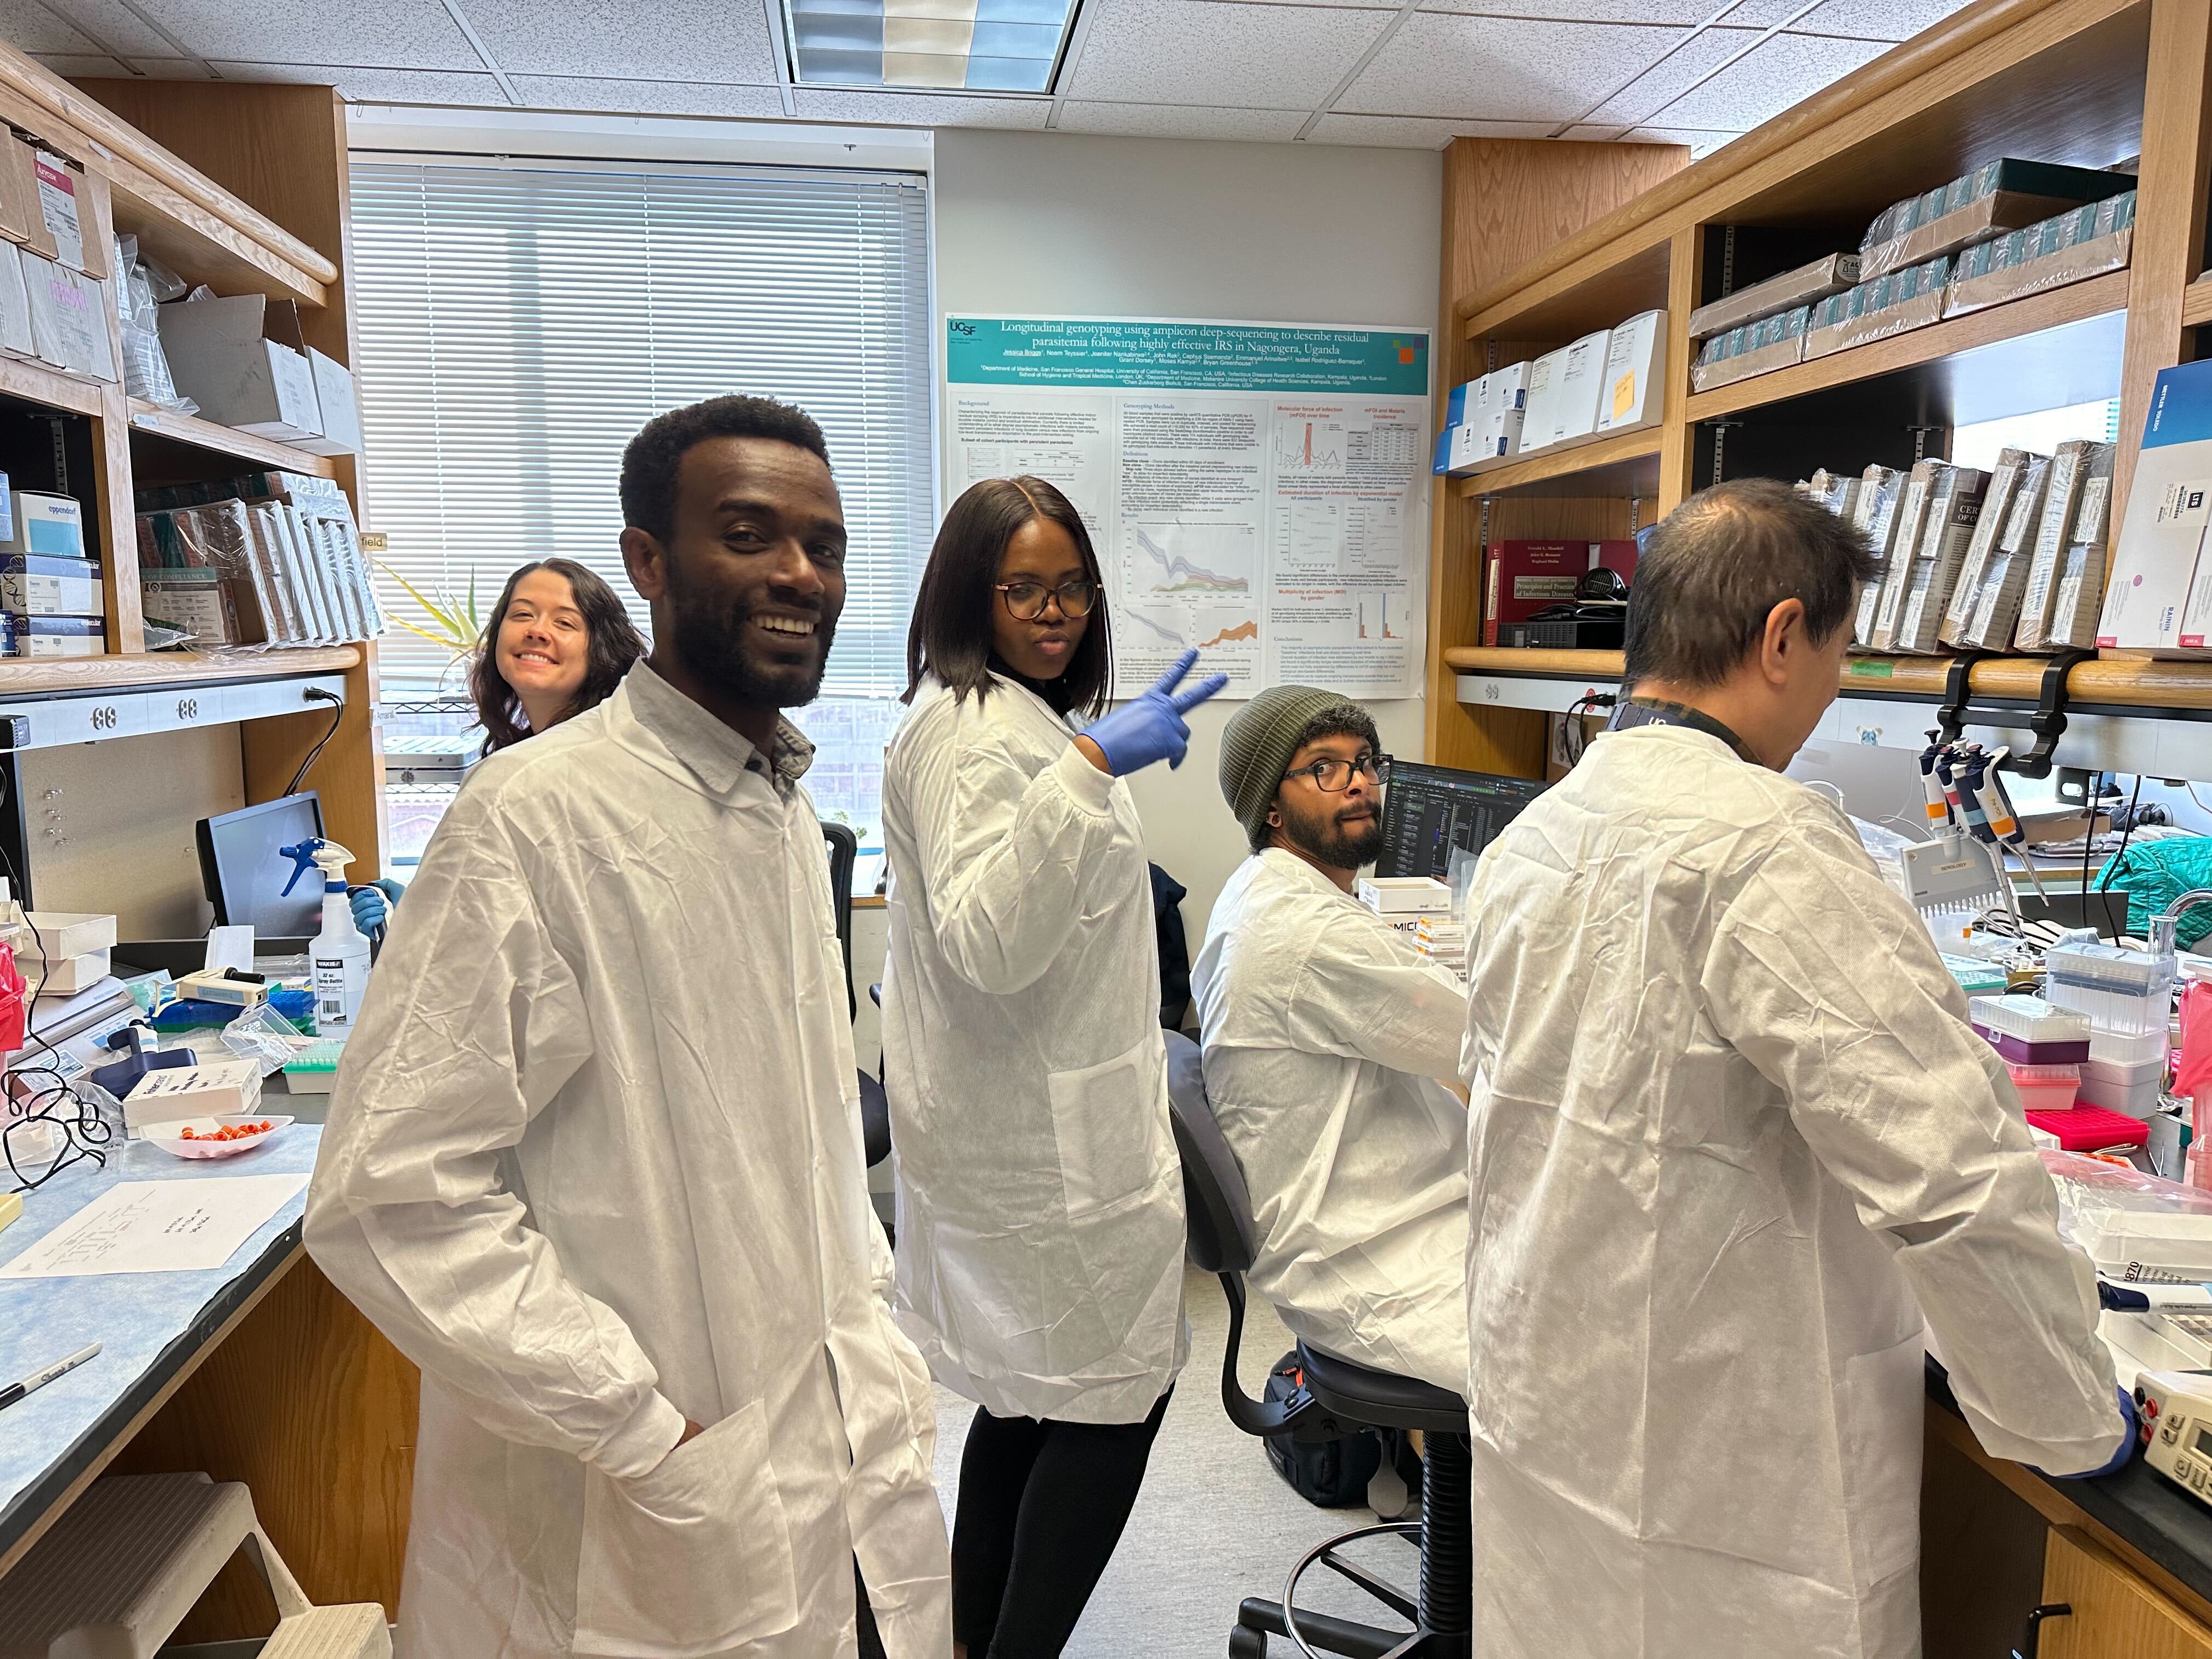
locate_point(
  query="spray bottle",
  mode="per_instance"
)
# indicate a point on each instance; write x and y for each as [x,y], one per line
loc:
[340,954]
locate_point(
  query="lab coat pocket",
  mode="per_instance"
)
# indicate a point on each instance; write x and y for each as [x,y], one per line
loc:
[691,1559]
[1880,1401]
[1110,1123]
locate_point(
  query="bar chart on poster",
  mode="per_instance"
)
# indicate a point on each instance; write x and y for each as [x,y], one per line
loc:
[1256,491]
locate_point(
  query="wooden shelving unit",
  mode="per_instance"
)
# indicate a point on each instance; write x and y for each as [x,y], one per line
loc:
[1613,463]
[151,421]
[2088,82]
[242,188]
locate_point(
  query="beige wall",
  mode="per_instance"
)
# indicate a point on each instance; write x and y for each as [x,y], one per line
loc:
[1055,224]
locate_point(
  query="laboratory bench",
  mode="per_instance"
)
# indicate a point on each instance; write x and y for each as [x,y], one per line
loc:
[257,1372]
[2130,1556]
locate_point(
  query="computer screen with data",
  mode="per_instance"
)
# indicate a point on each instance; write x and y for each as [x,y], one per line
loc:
[1429,809]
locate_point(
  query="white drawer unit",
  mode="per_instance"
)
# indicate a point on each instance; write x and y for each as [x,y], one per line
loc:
[54,722]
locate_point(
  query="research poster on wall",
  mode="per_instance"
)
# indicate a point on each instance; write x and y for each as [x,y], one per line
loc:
[1257,490]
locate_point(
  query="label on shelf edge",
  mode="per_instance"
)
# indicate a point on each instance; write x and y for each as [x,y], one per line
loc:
[1872,671]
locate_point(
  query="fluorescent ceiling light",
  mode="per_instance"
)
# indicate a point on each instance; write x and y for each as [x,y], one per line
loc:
[963,45]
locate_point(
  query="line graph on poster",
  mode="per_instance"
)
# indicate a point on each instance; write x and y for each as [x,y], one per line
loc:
[1168,559]
[1343,534]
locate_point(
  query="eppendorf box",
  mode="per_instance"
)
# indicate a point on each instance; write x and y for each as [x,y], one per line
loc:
[2159,597]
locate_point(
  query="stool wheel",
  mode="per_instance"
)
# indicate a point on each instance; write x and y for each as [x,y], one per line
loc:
[1247,1644]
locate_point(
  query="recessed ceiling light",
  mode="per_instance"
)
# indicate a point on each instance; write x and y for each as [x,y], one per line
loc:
[962,45]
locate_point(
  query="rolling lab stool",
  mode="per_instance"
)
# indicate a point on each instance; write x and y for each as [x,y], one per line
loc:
[1339,1399]
[118,1573]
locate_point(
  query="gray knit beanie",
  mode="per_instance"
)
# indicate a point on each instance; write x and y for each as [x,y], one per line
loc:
[1261,736]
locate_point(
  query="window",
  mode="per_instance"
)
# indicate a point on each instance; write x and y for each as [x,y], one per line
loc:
[520,322]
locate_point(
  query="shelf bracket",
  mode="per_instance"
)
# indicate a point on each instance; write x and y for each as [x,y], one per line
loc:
[2048,722]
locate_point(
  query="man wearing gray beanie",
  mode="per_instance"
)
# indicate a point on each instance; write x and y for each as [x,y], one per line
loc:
[1324,1032]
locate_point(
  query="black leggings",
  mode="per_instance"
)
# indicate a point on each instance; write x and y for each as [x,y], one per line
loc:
[1041,1506]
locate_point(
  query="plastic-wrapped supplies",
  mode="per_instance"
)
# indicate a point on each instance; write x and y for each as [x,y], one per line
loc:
[145,365]
[2136,1228]
[287,547]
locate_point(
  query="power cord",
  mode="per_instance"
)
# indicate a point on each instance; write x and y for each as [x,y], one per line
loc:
[316,694]
[84,1133]
[1572,738]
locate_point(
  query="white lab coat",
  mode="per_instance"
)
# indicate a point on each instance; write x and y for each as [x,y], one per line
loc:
[593,1162]
[1040,1198]
[1325,1032]
[1733,1139]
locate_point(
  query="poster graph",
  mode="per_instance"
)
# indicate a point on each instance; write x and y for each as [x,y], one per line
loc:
[1256,491]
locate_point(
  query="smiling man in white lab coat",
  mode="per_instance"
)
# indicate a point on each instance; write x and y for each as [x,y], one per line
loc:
[1737,1156]
[594,1162]
[1325,1031]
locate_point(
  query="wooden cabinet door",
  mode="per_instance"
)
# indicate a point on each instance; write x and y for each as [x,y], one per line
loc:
[2116,1614]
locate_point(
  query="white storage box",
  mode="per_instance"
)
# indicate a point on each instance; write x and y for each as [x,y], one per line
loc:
[223,1088]
[1405,895]
[64,933]
[47,527]
[69,975]
[243,361]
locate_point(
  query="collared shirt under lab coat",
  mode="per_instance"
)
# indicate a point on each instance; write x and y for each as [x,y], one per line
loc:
[1325,1033]
[1733,1139]
[594,1163]
[1040,1198]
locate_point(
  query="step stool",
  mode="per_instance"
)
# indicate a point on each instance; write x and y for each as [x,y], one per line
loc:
[118,1573]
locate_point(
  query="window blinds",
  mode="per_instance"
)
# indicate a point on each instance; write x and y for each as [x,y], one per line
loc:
[520,322]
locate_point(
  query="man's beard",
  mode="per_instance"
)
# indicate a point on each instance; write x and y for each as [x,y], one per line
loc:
[713,647]
[1342,846]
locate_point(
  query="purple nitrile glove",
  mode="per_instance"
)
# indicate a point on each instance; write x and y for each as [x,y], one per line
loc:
[1150,727]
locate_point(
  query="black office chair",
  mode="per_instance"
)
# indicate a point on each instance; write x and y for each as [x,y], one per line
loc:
[1339,1399]
[875,1111]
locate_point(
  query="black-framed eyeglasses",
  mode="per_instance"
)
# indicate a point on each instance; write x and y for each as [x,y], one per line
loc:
[1333,776]
[1025,600]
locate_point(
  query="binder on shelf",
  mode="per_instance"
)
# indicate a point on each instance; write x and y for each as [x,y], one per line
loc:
[2070,467]
[1954,510]
[1538,407]
[1629,395]
[2160,597]
[2004,583]
[2081,595]
[1910,521]
[1578,386]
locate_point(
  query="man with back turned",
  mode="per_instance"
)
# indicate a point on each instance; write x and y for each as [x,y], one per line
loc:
[1737,1160]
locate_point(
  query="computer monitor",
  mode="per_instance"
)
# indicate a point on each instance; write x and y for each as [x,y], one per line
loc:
[244,877]
[1427,810]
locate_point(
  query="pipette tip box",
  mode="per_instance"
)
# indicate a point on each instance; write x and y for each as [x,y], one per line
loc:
[2087,1129]
[2029,1031]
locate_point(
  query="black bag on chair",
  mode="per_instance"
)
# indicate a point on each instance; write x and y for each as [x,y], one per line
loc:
[1330,1476]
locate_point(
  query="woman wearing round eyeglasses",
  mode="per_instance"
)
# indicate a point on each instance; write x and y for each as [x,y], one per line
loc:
[1040,1199]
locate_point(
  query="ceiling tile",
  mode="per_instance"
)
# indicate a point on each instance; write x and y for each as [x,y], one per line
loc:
[1213,52]
[1502,68]
[376,86]
[171,69]
[27,26]
[80,66]
[1354,5]
[393,35]
[1643,97]
[1861,20]
[694,40]
[619,97]
[1181,120]
[1764,81]
[1701,141]
[1679,12]
[917,109]
[113,25]
[1412,133]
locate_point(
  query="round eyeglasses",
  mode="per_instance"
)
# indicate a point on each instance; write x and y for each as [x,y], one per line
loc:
[1335,776]
[1025,600]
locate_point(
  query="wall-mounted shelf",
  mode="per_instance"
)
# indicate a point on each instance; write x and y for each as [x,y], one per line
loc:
[1607,463]
[2046,348]
[150,420]
[56,675]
